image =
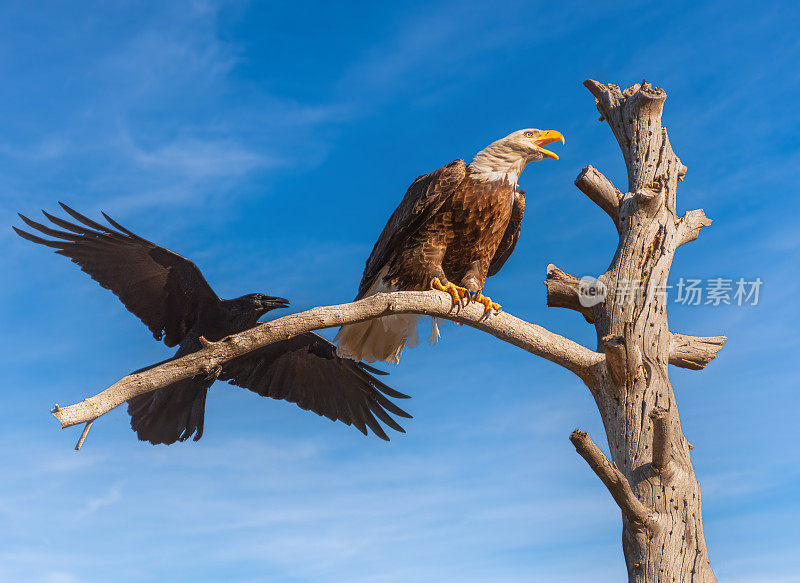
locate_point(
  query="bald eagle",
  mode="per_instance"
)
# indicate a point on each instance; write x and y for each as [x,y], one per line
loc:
[454,228]
[169,294]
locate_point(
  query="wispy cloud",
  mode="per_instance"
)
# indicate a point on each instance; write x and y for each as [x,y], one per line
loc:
[198,159]
[113,496]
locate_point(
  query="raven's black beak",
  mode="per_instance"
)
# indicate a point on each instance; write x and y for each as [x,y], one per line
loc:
[273,303]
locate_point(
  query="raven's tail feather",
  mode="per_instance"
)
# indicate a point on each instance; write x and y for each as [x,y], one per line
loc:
[171,414]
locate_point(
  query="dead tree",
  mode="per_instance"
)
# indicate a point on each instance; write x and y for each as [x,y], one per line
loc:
[651,477]
[650,473]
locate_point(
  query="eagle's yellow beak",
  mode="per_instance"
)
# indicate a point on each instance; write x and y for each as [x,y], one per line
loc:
[548,137]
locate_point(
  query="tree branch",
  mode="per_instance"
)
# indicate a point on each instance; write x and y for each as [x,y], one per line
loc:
[564,291]
[535,339]
[662,438]
[651,197]
[84,434]
[601,191]
[616,362]
[694,352]
[690,224]
[637,513]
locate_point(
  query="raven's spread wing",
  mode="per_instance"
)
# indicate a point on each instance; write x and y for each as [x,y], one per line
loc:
[422,200]
[305,370]
[163,289]
[511,236]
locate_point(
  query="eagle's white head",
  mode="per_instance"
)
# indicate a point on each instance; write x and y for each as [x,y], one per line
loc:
[507,157]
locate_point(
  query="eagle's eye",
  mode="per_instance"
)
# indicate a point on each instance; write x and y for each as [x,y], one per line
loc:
[528,134]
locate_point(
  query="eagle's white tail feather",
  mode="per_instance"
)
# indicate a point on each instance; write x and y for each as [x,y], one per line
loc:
[381,338]
[435,335]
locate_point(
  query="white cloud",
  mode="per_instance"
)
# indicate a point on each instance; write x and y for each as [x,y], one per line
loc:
[195,159]
[113,496]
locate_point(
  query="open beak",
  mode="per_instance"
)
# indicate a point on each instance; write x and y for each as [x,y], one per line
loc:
[548,137]
[274,303]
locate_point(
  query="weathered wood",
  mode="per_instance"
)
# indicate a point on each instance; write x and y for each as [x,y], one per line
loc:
[84,434]
[564,291]
[618,486]
[616,359]
[662,438]
[694,352]
[642,424]
[601,191]
[690,224]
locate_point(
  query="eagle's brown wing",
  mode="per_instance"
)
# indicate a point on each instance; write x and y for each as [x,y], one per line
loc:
[305,370]
[422,200]
[161,288]
[511,236]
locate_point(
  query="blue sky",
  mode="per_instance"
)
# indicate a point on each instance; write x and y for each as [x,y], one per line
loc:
[269,142]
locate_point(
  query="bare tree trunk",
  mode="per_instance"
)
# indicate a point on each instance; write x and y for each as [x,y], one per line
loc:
[651,477]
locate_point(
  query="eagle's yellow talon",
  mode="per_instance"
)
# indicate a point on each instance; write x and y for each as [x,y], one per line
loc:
[488,303]
[456,292]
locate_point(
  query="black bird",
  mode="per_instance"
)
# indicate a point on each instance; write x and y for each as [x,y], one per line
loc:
[170,295]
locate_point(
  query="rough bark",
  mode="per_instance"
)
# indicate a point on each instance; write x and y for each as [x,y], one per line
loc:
[637,514]
[633,391]
[600,190]
[694,352]
[563,291]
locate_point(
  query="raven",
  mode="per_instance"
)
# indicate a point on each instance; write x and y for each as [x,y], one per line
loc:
[169,294]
